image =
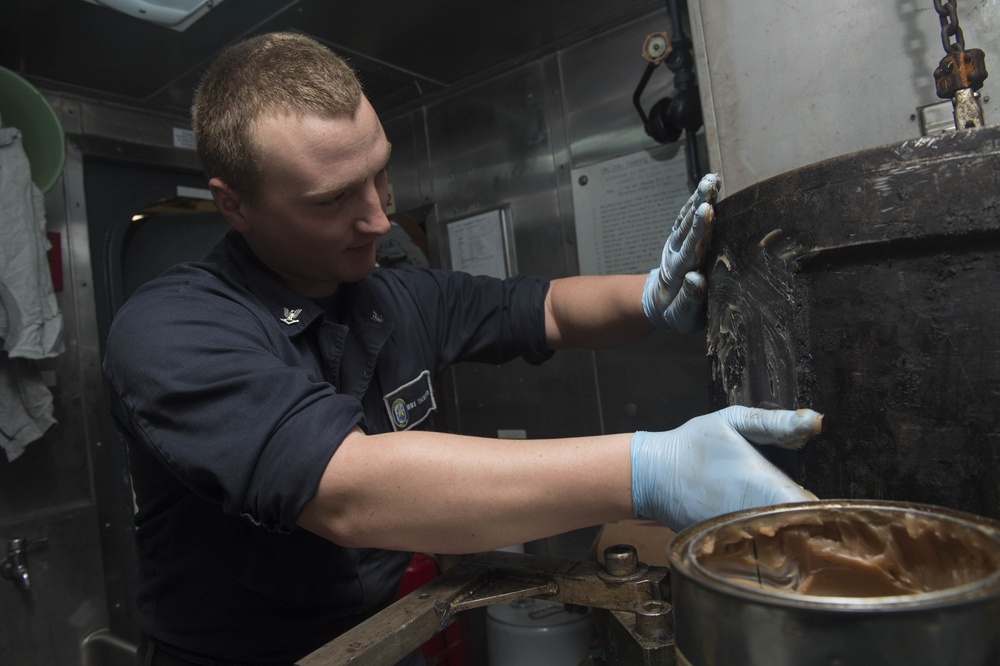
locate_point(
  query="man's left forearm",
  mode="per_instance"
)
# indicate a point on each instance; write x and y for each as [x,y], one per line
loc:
[595,312]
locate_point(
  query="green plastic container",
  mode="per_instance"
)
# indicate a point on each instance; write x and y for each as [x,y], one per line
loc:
[23,107]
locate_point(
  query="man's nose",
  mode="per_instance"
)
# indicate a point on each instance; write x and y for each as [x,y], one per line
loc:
[373,218]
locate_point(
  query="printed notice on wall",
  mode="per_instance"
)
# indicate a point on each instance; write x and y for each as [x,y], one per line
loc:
[477,244]
[625,209]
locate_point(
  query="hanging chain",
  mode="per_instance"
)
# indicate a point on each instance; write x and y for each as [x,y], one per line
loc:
[948,14]
[961,72]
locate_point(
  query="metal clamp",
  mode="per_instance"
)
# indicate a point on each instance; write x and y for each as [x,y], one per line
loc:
[501,576]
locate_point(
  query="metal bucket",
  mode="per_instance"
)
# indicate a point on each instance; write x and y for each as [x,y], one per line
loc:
[530,632]
[845,583]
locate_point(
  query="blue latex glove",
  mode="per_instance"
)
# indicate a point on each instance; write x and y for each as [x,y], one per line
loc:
[674,295]
[708,467]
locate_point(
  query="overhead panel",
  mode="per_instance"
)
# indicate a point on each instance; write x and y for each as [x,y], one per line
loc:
[176,14]
[144,53]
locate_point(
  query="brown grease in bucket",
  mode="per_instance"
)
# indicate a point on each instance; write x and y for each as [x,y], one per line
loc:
[849,553]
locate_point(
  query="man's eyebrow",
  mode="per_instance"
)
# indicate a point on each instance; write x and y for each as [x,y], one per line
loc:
[342,187]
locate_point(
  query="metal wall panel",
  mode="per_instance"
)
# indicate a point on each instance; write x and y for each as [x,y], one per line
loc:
[599,77]
[408,167]
[491,146]
[48,623]
[662,381]
[513,141]
[47,494]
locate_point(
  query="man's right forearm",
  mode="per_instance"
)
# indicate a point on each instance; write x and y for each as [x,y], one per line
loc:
[434,492]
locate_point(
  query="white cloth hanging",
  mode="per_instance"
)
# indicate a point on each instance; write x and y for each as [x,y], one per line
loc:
[25,405]
[31,325]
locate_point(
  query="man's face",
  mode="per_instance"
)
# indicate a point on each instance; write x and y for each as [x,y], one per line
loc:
[322,198]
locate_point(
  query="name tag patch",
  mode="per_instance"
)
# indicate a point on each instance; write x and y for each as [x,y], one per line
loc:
[411,403]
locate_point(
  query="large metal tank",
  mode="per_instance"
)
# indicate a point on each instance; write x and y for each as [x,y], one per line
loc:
[865,287]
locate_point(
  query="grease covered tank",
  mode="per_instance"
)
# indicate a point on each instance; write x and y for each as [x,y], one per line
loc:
[866,287]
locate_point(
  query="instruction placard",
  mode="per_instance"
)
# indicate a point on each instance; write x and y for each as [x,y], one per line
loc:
[625,208]
[478,245]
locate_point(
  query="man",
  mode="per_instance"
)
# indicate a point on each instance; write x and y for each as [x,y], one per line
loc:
[277,396]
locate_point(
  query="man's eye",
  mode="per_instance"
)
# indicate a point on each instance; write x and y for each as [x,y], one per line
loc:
[332,200]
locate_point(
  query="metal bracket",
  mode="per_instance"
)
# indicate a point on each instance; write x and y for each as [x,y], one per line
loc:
[500,576]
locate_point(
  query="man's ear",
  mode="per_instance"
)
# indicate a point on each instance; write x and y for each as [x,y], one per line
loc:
[227,200]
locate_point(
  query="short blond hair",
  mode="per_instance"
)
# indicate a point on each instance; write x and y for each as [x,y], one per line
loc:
[279,72]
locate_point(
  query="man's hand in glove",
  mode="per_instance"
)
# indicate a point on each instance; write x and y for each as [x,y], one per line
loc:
[708,466]
[674,295]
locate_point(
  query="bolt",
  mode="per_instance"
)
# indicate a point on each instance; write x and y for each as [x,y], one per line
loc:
[620,560]
[651,619]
